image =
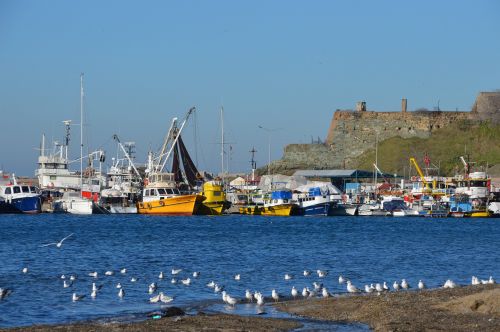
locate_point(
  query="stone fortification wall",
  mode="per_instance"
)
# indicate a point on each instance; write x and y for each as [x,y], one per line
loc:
[351,133]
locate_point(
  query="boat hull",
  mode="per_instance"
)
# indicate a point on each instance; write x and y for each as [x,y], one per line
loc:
[211,208]
[322,209]
[22,205]
[277,210]
[183,205]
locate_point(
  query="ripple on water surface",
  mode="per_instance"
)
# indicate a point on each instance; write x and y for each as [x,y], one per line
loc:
[262,250]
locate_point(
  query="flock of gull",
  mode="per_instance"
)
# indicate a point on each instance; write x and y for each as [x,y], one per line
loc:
[316,289]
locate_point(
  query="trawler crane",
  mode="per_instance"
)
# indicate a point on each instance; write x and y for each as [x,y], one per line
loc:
[419,171]
[115,137]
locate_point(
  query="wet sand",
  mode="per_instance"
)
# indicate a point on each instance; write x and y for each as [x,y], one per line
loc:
[470,308]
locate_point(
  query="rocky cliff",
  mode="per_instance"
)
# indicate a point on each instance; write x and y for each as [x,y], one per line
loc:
[353,132]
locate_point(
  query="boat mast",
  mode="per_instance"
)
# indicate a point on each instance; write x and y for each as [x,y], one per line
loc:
[376,162]
[222,142]
[81,132]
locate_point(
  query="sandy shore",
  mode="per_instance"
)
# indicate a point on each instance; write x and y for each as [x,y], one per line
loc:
[471,308]
[217,322]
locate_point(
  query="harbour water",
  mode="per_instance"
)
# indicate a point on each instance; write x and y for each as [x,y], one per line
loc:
[262,250]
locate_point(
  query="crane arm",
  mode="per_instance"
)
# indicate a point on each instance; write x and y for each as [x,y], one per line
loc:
[419,171]
[115,137]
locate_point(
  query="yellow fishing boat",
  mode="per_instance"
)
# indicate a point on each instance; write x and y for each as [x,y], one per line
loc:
[161,196]
[478,214]
[215,202]
[278,204]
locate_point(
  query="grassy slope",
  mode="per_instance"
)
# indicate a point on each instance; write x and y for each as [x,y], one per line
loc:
[444,147]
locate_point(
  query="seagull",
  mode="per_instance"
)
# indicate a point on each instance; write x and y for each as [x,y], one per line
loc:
[294,292]
[152,288]
[224,296]
[305,292]
[324,292]
[186,282]
[341,279]
[57,244]
[260,300]
[321,273]
[25,270]
[121,293]
[196,274]
[379,288]
[64,277]
[249,296]
[405,284]
[421,284]
[317,285]
[93,294]
[72,277]
[307,273]
[67,284]
[155,299]
[119,285]
[123,271]
[95,287]
[4,292]
[133,279]
[211,284]
[93,274]
[160,276]
[351,288]
[174,271]
[218,288]
[165,298]
[77,297]
[173,281]
[312,293]
[475,280]
[275,295]
[288,276]
[109,273]
[491,280]
[449,284]
[395,285]
[368,289]
[231,300]
[237,277]
[385,287]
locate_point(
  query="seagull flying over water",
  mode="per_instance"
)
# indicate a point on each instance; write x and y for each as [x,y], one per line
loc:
[57,244]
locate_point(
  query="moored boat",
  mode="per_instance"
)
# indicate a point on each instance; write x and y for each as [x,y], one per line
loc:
[215,199]
[17,198]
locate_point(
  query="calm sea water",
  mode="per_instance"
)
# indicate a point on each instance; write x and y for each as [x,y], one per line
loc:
[261,249]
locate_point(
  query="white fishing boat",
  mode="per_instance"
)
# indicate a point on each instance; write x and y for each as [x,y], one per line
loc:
[72,202]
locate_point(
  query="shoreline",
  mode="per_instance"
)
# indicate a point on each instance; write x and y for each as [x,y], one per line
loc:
[463,308]
[460,309]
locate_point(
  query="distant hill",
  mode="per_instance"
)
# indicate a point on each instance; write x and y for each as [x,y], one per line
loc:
[481,142]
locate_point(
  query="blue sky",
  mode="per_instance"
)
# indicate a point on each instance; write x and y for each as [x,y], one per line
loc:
[278,64]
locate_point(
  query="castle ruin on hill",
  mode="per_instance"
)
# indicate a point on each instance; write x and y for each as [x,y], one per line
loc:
[352,132]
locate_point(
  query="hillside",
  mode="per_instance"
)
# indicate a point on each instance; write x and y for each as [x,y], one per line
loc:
[481,142]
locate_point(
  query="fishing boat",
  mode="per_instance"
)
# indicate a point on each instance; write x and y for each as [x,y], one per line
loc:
[279,203]
[161,196]
[162,190]
[17,198]
[215,202]
[72,202]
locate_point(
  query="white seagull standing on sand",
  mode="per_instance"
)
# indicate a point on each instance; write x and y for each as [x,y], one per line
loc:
[405,284]
[368,289]
[305,292]
[57,244]
[294,292]
[351,288]
[491,281]
[385,287]
[396,286]
[324,292]
[421,284]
